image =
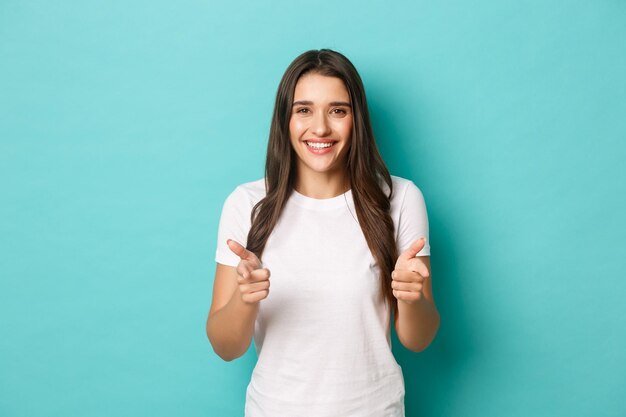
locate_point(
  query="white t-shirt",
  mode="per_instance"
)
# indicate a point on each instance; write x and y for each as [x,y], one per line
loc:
[322,335]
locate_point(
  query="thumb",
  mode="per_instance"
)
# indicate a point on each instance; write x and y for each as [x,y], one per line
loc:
[240,251]
[415,247]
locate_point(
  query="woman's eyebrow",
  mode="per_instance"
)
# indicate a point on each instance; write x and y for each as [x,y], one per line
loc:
[308,103]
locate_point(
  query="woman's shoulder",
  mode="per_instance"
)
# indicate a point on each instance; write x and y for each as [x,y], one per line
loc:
[400,181]
[401,186]
[256,186]
[249,192]
[406,196]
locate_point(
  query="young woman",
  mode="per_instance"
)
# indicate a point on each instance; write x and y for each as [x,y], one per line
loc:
[343,243]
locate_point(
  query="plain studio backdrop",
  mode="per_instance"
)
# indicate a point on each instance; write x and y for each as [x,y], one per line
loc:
[124,126]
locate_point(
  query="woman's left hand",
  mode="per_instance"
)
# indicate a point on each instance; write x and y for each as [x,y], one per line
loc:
[407,279]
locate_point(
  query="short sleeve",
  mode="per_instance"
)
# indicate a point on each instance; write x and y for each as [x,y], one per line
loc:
[413,220]
[234,224]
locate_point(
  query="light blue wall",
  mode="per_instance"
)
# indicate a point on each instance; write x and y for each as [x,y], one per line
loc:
[124,125]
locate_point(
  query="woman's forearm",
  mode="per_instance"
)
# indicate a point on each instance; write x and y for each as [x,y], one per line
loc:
[417,324]
[230,329]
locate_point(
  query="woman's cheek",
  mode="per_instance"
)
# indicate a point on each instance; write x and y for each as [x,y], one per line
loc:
[299,125]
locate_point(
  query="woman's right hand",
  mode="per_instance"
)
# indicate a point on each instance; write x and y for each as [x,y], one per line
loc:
[253,280]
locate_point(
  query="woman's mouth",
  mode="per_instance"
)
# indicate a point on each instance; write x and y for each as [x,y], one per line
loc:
[319,147]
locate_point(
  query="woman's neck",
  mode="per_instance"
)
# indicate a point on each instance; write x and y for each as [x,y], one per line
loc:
[322,184]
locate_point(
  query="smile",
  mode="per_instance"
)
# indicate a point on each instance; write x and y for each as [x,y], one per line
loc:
[319,148]
[319,145]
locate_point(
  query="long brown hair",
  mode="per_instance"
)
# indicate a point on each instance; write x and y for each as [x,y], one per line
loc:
[365,166]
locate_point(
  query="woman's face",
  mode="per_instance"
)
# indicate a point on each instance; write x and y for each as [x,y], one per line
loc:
[321,123]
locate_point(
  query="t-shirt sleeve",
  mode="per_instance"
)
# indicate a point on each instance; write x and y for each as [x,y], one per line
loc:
[413,221]
[234,224]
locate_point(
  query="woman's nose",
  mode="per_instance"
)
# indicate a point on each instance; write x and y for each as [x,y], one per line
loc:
[320,127]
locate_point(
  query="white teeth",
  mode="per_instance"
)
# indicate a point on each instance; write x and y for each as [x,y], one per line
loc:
[319,145]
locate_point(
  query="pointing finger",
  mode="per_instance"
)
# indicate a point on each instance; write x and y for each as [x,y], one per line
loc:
[417,265]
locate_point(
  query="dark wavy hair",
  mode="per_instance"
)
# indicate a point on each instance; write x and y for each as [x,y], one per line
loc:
[365,167]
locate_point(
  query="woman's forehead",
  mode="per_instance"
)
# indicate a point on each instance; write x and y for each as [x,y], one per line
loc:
[320,88]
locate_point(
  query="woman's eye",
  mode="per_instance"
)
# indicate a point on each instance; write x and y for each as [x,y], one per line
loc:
[339,111]
[302,110]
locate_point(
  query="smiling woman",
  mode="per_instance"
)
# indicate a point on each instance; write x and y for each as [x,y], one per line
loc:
[321,124]
[345,245]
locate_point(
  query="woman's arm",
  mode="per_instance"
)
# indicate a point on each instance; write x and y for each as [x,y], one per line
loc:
[230,325]
[418,320]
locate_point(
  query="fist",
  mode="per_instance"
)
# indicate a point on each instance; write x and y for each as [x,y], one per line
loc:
[409,274]
[253,280]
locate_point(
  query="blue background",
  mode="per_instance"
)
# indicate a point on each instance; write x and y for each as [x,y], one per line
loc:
[124,125]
